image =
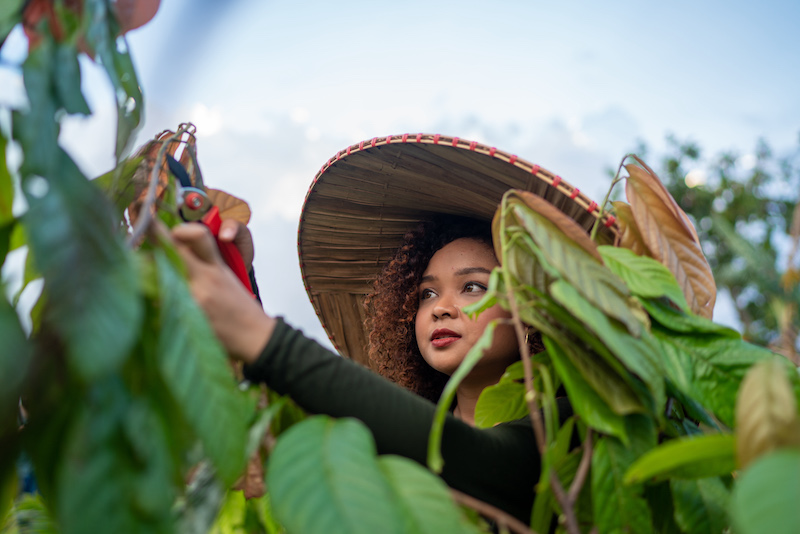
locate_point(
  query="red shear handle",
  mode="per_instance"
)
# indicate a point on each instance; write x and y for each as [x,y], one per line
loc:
[228,250]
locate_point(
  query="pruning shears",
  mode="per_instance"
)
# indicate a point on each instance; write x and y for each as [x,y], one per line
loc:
[198,207]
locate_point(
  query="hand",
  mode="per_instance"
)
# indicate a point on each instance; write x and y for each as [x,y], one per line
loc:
[233,231]
[237,319]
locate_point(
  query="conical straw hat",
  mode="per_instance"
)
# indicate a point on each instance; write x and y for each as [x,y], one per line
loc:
[367,196]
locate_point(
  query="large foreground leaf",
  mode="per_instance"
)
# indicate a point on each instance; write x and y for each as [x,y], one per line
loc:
[766,495]
[196,372]
[701,506]
[90,279]
[324,478]
[501,402]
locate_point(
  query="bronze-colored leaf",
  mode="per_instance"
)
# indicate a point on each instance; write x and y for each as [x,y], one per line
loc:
[671,238]
[563,222]
[252,482]
[629,236]
[766,412]
[230,207]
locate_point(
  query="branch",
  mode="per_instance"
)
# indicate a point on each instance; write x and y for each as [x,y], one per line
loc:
[146,213]
[583,469]
[568,510]
[602,211]
[502,519]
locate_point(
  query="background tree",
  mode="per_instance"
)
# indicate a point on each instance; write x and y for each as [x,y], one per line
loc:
[745,209]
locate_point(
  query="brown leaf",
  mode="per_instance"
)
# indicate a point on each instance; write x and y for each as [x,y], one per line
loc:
[230,207]
[143,174]
[565,223]
[671,238]
[252,482]
[629,236]
[766,412]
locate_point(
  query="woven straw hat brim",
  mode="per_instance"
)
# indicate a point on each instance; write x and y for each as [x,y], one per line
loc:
[366,197]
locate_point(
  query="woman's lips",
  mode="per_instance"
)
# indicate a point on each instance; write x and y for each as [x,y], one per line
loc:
[443,337]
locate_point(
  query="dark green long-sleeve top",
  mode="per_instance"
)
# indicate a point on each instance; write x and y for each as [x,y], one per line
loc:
[498,465]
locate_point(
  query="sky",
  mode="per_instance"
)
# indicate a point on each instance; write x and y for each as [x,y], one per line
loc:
[277,87]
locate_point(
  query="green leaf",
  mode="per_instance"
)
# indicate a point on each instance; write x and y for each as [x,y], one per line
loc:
[632,352]
[766,495]
[583,271]
[324,478]
[709,368]
[111,47]
[6,186]
[435,460]
[14,361]
[90,278]
[10,16]
[501,402]
[685,323]
[68,80]
[423,498]
[645,277]
[30,516]
[105,477]
[196,372]
[700,505]
[585,401]
[689,458]
[617,507]
[118,184]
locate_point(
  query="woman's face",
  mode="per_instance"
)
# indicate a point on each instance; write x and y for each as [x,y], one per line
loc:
[458,275]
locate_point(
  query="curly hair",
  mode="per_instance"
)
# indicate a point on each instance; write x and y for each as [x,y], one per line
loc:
[392,306]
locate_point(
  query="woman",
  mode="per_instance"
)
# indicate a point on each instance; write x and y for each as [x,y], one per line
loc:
[364,202]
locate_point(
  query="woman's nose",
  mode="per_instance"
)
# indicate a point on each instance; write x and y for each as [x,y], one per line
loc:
[445,307]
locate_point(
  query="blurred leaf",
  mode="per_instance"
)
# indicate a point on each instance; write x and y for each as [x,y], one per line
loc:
[423,498]
[10,15]
[617,507]
[766,495]
[94,304]
[685,323]
[671,238]
[68,80]
[766,411]
[30,516]
[585,401]
[118,184]
[324,478]
[701,505]
[107,479]
[501,402]
[14,361]
[644,276]
[6,186]
[105,38]
[230,207]
[195,370]
[689,458]
[435,460]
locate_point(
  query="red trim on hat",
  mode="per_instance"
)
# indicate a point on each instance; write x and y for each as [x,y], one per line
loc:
[419,137]
[405,137]
[388,139]
[374,140]
[472,145]
[492,151]
[338,155]
[513,159]
[556,181]
[535,169]
[436,139]
[610,221]
[574,193]
[455,141]
[592,206]
[348,150]
[361,145]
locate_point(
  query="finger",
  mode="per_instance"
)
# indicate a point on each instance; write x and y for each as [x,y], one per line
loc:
[198,240]
[234,231]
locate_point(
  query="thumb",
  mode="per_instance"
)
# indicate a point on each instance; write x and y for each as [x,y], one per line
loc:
[197,239]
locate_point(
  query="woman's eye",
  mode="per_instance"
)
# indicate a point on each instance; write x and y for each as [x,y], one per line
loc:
[474,287]
[426,294]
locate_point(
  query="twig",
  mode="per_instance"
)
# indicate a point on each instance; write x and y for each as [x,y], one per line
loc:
[602,211]
[145,214]
[583,469]
[502,519]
